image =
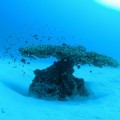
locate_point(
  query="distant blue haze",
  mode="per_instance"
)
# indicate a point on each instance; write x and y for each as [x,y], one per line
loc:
[94,26]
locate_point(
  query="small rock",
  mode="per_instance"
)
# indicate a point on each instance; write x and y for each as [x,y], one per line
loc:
[23,60]
[2,110]
[90,71]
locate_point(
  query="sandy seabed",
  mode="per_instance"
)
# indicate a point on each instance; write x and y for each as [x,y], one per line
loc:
[16,104]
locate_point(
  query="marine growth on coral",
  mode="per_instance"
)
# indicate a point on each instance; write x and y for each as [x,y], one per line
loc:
[57,81]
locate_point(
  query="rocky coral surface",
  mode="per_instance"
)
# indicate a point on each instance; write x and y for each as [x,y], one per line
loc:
[57,81]
[78,54]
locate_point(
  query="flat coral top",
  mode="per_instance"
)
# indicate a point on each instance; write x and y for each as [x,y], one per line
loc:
[78,54]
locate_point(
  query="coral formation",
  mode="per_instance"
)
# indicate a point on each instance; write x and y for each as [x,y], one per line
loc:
[57,82]
[78,54]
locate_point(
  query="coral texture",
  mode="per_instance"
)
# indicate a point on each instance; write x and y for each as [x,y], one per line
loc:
[78,54]
[57,81]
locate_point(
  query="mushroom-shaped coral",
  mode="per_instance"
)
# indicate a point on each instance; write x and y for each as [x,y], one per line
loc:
[57,81]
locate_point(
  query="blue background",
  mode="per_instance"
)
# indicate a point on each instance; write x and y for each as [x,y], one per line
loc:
[81,21]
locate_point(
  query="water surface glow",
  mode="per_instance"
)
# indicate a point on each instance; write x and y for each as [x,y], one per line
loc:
[114,4]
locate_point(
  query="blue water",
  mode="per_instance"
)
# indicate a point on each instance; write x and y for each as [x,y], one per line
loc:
[72,21]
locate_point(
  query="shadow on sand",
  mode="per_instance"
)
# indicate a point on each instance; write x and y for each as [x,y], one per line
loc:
[20,89]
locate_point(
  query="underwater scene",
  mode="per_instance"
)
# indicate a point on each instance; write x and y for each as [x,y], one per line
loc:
[60,60]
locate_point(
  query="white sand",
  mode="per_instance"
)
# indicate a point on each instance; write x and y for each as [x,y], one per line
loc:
[15,104]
